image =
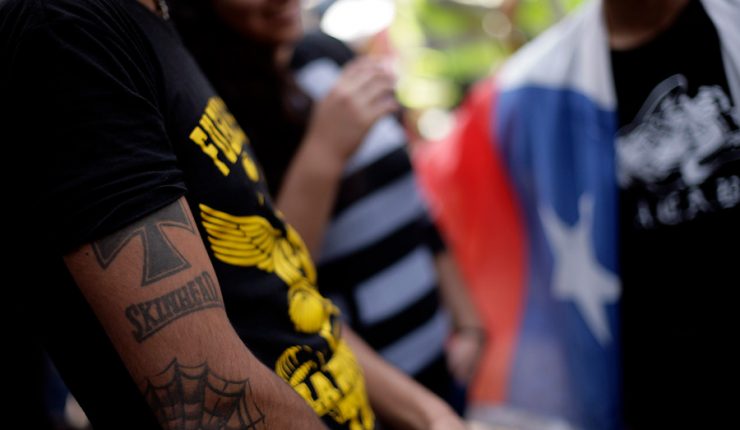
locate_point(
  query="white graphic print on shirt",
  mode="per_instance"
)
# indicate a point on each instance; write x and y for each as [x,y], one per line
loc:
[677,149]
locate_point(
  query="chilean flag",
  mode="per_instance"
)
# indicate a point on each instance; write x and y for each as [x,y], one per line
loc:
[526,192]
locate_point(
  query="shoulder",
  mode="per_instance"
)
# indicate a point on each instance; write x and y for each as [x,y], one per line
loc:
[549,56]
[317,45]
[49,11]
[62,52]
[72,18]
[16,17]
[725,14]
[43,33]
[18,8]
[571,57]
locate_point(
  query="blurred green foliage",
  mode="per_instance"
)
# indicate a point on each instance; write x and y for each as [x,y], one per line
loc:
[534,16]
[446,45]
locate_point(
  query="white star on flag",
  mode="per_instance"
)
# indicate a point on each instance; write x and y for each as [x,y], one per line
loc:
[577,274]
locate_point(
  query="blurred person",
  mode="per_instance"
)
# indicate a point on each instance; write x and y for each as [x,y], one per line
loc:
[354,199]
[599,172]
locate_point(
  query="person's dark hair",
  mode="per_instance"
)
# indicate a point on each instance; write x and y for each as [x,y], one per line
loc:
[264,99]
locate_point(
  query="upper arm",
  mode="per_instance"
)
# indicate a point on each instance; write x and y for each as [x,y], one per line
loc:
[153,289]
[160,253]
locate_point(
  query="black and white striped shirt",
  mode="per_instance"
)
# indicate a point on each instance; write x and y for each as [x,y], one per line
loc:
[377,256]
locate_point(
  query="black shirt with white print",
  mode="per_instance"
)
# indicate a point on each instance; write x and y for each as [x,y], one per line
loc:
[678,166]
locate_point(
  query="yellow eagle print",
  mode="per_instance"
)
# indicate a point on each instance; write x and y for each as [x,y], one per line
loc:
[251,241]
[333,387]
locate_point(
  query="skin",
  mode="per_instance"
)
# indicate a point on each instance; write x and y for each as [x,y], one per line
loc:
[466,345]
[399,401]
[271,22]
[632,23]
[109,274]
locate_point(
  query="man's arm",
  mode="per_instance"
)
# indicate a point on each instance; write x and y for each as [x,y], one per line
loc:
[154,290]
[399,401]
[469,337]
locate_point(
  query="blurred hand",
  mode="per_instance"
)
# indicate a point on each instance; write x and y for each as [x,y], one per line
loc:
[463,354]
[448,422]
[477,425]
[362,95]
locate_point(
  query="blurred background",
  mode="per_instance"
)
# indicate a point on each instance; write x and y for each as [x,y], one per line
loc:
[440,47]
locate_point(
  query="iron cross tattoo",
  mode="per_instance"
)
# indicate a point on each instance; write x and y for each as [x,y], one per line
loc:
[161,258]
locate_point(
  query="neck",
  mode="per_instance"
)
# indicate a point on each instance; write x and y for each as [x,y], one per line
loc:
[632,23]
[150,4]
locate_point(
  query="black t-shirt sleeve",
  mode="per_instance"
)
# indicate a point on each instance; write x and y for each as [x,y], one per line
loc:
[86,114]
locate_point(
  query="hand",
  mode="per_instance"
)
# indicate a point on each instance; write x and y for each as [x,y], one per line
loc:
[361,96]
[464,352]
[477,425]
[453,422]
[448,422]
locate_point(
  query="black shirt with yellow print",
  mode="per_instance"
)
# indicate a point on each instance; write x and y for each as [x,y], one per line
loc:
[266,274]
[130,125]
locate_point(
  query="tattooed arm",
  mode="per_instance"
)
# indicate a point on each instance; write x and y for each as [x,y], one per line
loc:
[153,288]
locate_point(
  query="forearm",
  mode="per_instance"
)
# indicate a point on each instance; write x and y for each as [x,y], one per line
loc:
[455,295]
[218,361]
[310,186]
[469,338]
[399,401]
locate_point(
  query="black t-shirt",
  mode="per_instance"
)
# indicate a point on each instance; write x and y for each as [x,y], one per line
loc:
[120,121]
[678,160]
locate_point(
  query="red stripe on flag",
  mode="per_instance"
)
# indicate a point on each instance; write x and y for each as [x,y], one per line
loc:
[466,183]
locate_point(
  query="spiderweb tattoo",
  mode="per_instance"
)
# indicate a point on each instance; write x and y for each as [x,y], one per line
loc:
[195,398]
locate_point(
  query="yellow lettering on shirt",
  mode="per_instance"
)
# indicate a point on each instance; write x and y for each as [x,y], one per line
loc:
[201,139]
[250,168]
[225,121]
[219,137]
